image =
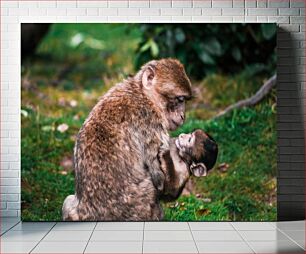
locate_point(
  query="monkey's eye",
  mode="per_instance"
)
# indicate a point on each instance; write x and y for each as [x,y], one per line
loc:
[180,99]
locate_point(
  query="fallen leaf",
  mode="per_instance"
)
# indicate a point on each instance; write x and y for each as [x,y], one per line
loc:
[206,200]
[67,163]
[62,101]
[73,138]
[47,128]
[203,212]
[62,127]
[76,117]
[223,167]
[73,103]
[174,205]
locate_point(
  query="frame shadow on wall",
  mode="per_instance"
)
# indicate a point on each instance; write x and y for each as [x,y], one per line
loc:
[290,129]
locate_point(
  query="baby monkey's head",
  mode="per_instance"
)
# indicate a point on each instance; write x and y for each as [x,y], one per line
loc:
[198,150]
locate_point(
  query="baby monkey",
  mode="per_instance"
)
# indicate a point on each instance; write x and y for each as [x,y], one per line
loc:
[189,154]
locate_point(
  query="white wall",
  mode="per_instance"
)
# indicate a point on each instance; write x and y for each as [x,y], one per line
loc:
[289,14]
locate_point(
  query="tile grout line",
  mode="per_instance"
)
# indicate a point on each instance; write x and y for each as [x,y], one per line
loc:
[193,238]
[90,237]
[143,232]
[247,243]
[273,225]
[42,238]
[283,232]
[10,228]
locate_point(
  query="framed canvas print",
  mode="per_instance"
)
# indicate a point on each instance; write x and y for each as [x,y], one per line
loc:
[148,122]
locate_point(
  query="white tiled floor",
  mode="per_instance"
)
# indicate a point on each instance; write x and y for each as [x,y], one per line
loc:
[152,237]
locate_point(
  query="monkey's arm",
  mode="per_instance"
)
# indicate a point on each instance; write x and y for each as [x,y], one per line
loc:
[157,174]
[175,179]
[153,161]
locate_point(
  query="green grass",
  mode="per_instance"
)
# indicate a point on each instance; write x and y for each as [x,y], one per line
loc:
[44,182]
[65,73]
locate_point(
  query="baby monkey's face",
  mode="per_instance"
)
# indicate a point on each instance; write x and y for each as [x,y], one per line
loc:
[185,141]
[198,150]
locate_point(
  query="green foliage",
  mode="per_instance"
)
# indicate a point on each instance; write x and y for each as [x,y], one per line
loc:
[45,183]
[80,55]
[210,48]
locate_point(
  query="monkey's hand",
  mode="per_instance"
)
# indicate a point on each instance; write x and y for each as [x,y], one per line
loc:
[165,143]
[154,163]
[163,157]
[157,175]
[164,152]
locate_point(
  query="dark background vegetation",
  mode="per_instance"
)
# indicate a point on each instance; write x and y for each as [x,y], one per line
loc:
[74,64]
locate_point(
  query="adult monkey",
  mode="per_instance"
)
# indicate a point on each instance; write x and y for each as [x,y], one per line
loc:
[117,172]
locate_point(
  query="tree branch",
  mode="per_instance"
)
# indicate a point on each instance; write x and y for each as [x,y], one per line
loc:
[260,94]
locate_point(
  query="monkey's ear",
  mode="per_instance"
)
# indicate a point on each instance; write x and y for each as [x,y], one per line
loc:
[147,77]
[198,169]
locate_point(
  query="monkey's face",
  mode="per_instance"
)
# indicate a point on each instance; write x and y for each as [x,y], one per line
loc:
[185,142]
[168,86]
[175,111]
[199,150]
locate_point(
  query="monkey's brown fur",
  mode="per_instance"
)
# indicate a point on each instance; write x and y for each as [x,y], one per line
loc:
[117,172]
